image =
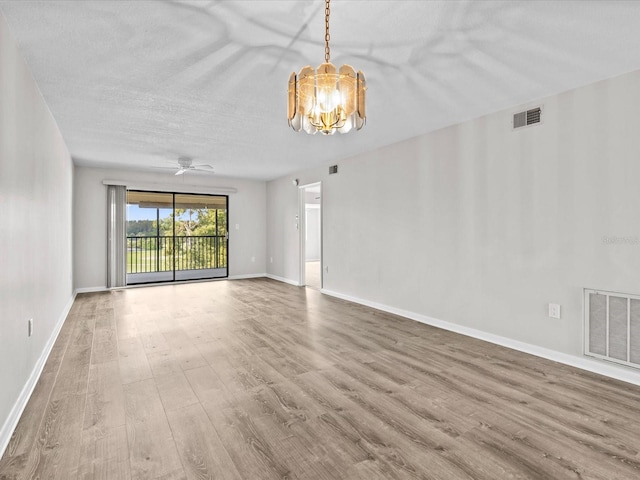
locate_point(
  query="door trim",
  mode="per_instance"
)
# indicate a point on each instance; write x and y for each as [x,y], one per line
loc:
[302,232]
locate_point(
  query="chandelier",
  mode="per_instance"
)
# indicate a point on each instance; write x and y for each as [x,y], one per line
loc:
[327,100]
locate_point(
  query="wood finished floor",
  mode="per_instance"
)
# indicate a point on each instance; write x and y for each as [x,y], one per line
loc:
[255,379]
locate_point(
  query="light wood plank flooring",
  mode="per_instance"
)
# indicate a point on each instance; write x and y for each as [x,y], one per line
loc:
[256,380]
[313,274]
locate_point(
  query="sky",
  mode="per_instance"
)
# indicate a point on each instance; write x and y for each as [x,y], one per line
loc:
[134,212]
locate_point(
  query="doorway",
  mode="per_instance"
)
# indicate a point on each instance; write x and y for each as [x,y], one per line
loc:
[175,236]
[311,235]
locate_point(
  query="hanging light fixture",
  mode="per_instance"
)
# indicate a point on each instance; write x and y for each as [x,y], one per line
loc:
[327,100]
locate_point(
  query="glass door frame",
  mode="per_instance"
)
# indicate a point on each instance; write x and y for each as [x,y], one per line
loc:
[174,237]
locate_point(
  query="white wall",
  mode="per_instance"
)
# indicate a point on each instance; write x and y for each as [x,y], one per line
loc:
[483,226]
[247,208]
[283,248]
[313,240]
[35,238]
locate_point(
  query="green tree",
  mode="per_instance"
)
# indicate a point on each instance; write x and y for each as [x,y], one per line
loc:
[191,225]
[141,228]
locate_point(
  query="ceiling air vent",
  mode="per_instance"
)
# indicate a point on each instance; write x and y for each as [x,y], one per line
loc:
[529,117]
[333,169]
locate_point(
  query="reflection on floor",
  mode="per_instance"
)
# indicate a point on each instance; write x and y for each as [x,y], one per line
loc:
[312,275]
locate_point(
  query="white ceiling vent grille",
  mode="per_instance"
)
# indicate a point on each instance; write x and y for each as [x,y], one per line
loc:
[528,117]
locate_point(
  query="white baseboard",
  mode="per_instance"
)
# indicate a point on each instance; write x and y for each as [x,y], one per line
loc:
[230,277]
[282,279]
[16,412]
[626,374]
[91,289]
[248,275]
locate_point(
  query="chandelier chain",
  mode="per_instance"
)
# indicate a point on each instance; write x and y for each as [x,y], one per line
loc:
[327,51]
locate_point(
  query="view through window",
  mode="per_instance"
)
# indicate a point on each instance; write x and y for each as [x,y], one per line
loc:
[176,236]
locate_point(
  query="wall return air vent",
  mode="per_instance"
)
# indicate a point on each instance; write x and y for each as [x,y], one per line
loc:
[612,326]
[527,118]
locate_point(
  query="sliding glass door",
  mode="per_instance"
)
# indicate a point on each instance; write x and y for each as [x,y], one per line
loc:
[200,236]
[176,236]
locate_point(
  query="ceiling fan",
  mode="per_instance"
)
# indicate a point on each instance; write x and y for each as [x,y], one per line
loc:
[186,164]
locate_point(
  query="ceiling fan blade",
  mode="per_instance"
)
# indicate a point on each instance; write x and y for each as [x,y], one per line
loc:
[180,172]
[203,166]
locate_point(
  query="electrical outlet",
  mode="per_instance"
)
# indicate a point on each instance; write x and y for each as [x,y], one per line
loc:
[30,327]
[271,259]
[554,310]
[253,259]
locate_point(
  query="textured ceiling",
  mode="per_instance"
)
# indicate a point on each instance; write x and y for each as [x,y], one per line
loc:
[139,83]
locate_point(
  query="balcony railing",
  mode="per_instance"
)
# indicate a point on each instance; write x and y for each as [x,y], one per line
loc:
[164,254]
